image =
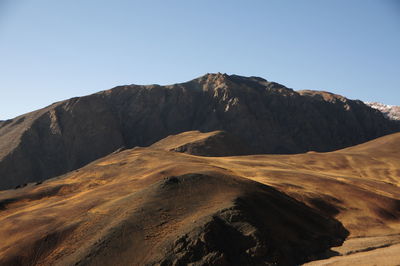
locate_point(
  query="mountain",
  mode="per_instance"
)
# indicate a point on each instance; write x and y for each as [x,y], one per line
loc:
[153,206]
[390,111]
[266,116]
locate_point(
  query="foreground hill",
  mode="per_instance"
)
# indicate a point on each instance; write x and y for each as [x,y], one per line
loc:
[267,116]
[155,206]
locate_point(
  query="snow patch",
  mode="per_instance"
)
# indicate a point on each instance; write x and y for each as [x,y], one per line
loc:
[390,111]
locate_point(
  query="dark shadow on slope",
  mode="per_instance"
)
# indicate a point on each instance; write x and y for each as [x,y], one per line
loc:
[257,226]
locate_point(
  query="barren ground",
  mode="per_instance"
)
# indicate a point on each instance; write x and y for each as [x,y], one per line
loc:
[149,205]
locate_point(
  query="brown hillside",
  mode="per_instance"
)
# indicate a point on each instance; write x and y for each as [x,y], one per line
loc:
[216,143]
[268,117]
[148,205]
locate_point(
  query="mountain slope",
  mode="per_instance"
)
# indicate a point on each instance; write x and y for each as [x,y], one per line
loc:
[216,143]
[147,205]
[390,111]
[266,116]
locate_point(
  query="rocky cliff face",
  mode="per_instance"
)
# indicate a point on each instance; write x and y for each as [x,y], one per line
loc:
[267,116]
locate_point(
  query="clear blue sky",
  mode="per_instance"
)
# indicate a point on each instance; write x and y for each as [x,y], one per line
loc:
[56,49]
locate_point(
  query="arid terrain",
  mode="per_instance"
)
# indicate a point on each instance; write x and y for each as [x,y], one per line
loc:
[163,205]
[266,117]
[219,170]
[199,133]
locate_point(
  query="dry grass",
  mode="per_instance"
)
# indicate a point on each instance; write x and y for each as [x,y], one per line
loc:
[64,220]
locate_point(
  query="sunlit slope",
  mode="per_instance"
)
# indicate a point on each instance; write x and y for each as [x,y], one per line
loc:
[358,185]
[148,205]
[215,143]
[151,206]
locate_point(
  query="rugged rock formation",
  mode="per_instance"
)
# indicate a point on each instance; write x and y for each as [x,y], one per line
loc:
[267,116]
[57,139]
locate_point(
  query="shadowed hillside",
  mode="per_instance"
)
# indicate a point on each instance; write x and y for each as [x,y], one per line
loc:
[216,143]
[266,116]
[149,205]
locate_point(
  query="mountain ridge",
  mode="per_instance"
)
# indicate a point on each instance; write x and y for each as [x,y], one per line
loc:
[266,116]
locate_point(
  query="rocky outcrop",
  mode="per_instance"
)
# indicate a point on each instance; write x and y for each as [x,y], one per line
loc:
[267,116]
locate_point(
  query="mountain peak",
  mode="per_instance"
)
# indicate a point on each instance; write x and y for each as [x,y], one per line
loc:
[217,82]
[221,77]
[216,75]
[323,95]
[266,116]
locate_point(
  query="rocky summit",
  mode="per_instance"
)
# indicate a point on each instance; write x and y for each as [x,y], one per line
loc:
[265,116]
